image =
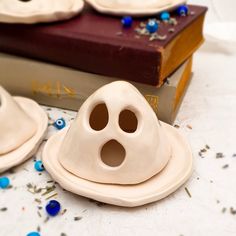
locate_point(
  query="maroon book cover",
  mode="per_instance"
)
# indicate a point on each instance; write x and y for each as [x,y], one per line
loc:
[97,43]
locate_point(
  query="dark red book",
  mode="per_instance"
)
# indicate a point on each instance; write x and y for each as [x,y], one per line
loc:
[97,43]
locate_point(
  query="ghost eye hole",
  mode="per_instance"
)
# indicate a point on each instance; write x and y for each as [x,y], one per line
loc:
[99,117]
[128,121]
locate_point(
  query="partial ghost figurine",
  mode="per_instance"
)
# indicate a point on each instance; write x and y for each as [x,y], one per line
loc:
[23,124]
[35,11]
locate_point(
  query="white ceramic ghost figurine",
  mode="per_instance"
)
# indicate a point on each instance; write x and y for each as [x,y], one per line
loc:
[23,124]
[16,127]
[116,151]
[134,7]
[34,11]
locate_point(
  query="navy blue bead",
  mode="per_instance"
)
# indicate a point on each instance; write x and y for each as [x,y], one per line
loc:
[38,165]
[182,10]
[60,123]
[127,21]
[165,16]
[152,26]
[4,182]
[53,207]
[33,234]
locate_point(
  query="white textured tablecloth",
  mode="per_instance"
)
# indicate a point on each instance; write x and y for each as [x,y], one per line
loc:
[207,117]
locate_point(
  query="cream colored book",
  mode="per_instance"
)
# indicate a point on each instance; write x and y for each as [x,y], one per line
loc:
[67,88]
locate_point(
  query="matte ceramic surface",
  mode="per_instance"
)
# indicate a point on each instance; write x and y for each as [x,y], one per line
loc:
[161,185]
[16,126]
[84,159]
[112,139]
[34,11]
[28,148]
[134,7]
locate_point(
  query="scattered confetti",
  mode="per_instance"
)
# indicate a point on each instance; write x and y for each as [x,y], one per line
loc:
[219,155]
[187,191]
[77,218]
[171,30]
[3,209]
[225,166]
[223,210]
[232,211]
[189,127]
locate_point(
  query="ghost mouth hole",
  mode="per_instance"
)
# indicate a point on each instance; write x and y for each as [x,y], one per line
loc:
[99,117]
[113,153]
[128,121]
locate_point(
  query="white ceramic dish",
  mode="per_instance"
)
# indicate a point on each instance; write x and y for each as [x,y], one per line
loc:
[134,7]
[29,148]
[35,11]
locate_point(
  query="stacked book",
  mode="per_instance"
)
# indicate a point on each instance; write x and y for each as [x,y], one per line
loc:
[61,64]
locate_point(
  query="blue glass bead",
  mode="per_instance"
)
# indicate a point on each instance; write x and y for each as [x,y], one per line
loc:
[53,207]
[182,10]
[33,234]
[152,26]
[127,21]
[4,182]
[165,16]
[38,165]
[60,123]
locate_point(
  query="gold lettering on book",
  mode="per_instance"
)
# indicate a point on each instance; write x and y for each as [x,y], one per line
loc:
[153,101]
[56,89]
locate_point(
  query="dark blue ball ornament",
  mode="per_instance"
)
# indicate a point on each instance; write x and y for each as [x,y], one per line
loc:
[127,21]
[53,207]
[38,165]
[152,26]
[182,10]
[59,123]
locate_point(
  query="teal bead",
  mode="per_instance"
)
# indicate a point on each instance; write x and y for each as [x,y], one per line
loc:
[4,182]
[38,165]
[33,234]
[165,16]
